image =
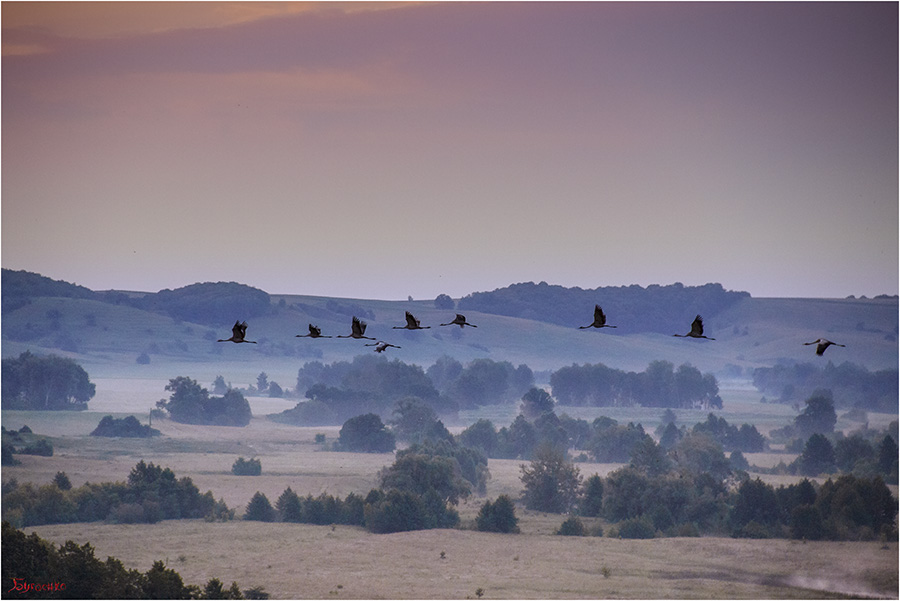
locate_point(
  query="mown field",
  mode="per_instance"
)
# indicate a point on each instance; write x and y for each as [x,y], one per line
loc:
[301,561]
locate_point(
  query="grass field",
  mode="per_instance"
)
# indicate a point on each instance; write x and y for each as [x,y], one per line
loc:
[301,561]
[320,562]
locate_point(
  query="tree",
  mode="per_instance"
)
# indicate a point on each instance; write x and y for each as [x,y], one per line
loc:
[536,402]
[755,502]
[45,383]
[818,417]
[887,459]
[420,473]
[817,457]
[246,467]
[699,453]
[186,402]
[551,482]
[412,418]
[219,386]
[262,382]
[289,507]
[259,509]
[499,516]
[190,403]
[444,302]
[366,434]
[482,436]
[62,482]
[395,511]
[592,496]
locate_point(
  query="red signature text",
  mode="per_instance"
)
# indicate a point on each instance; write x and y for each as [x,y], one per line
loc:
[20,585]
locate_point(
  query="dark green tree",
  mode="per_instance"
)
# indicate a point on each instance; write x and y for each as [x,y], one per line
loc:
[536,402]
[259,509]
[366,434]
[592,496]
[551,482]
[572,527]
[411,419]
[289,507]
[499,516]
[420,473]
[817,457]
[395,511]
[818,417]
[482,436]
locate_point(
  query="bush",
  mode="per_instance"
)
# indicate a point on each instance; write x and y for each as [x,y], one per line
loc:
[40,447]
[246,467]
[128,427]
[636,528]
[572,527]
[499,516]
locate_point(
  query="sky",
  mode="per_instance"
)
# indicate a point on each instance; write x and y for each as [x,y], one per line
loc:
[385,150]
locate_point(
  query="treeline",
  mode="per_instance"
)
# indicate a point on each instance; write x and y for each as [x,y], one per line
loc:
[33,382]
[150,494]
[660,385]
[687,492]
[373,384]
[36,568]
[631,308]
[851,385]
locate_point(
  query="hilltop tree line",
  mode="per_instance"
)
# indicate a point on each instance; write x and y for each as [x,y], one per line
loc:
[151,493]
[631,308]
[34,567]
[851,385]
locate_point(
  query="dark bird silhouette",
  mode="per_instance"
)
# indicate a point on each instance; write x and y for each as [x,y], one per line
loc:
[696,330]
[821,345]
[411,324]
[314,332]
[357,330]
[459,320]
[238,332]
[599,320]
[382,346]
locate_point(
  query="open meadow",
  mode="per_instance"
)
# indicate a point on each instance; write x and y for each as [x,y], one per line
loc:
[304,561]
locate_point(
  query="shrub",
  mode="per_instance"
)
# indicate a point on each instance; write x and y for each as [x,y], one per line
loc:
[40,447]
[636,528]
[572,527]
[246,467]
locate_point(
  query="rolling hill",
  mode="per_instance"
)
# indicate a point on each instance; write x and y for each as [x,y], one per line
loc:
[107,331]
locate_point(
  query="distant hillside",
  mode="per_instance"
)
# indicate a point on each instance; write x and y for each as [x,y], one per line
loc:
[17,287]
[177,330]
[662,309]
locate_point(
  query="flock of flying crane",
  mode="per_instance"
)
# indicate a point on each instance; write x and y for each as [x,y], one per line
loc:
[358,331]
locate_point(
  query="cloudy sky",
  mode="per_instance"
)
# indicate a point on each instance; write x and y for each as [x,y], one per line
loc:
[380,150]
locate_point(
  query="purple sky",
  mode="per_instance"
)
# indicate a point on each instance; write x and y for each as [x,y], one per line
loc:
[379,150]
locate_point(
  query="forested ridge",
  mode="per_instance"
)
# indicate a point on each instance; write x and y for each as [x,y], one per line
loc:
[636,309]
